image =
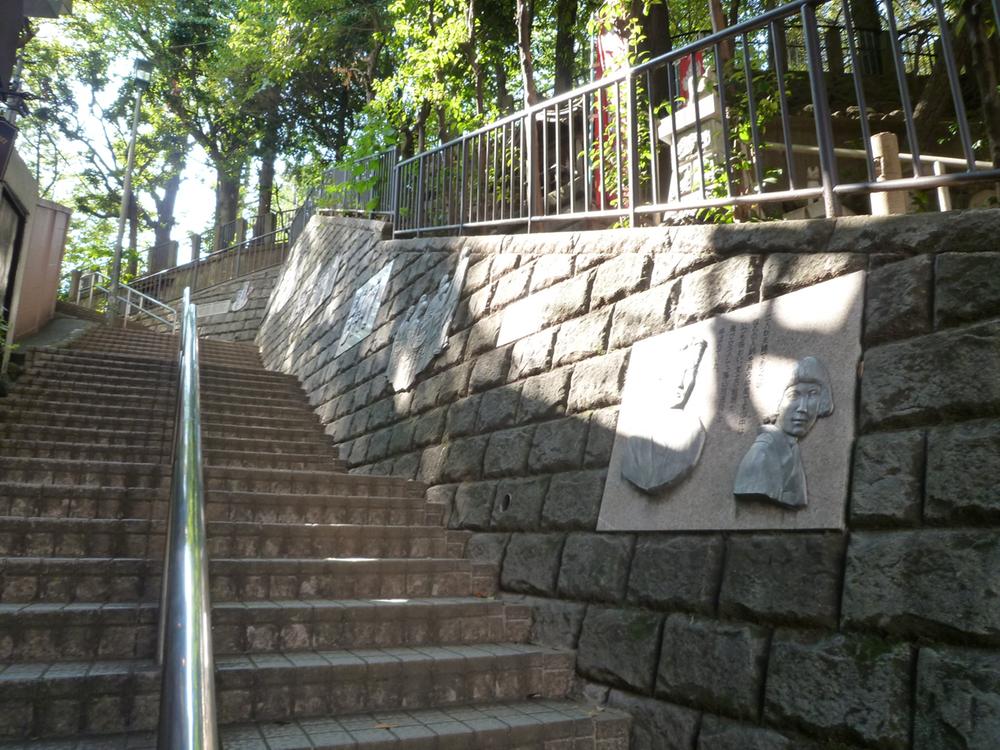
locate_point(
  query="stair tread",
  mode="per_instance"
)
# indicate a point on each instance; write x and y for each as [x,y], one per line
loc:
[157,524]
[516,721]
[325,659]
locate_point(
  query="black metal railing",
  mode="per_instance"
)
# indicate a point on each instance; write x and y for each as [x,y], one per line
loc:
[737,121]
[773,117]
[249,246]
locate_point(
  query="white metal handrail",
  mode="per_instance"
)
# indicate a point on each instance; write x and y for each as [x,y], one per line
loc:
[168,315]
[187,700]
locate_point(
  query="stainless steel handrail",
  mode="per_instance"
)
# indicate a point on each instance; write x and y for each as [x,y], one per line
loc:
[172,320]
[187,700]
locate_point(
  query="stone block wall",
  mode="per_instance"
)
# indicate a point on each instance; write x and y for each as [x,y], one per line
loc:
[886,635]
[241,325]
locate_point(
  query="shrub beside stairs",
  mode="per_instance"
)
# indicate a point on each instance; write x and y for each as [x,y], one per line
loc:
[344,614]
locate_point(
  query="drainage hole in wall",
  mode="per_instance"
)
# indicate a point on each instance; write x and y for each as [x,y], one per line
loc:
[505,503]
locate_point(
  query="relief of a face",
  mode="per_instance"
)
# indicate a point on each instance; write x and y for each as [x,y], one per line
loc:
[799,408]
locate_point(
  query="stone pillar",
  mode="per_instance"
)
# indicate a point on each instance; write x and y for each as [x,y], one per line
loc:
[74,284]
[885,150]
[162,257]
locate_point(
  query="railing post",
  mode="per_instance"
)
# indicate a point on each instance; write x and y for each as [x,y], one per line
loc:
[241,237]
[195,259]
[633,148]
[396,184]
[74,284]
[821,111]
[420,194]
[943,193]
[531,159]
[461,190]
[885,152]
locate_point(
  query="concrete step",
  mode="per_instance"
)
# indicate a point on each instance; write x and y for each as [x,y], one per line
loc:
[40,471]
[300,481]
[159,390]
[166,353]
[311,433]
[110,383]
[268,460]
[159,406]
[121,696]
[358,499]
[139,440]
[90,631]
[84,537]
[166,340]
[320,508]
[36,387]
[114,367]
[299,444]
[151,339]
[154,366]
[82,451]
[160,454]
[527,725]
[123,579]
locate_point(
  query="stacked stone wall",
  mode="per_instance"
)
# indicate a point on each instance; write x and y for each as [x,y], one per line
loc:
[885,635]
[239,325]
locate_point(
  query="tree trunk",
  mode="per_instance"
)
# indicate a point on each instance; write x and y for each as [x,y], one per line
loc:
[934,107]
[166,205]
[565,52]
[265,191]
[505,100]
[477,68]
[656,41]
[986,66]
[372,69]
[718,24]
[421,126]
[525,16]
[343,107]
[227,203]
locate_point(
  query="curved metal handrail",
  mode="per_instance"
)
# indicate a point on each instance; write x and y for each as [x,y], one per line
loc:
[187,700]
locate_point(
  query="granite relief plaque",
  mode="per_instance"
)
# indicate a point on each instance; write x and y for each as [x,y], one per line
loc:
[424,331]
[742,421]
[241,298]
[364,310]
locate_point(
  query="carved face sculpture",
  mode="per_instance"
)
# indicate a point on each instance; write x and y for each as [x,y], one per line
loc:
[806,398]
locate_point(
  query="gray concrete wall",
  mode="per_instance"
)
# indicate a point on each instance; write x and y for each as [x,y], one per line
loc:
[884,636]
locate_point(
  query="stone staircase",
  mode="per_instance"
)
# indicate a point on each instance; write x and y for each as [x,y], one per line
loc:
[344,614]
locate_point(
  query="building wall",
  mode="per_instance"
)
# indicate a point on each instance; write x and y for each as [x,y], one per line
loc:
[885,635]
[41,262]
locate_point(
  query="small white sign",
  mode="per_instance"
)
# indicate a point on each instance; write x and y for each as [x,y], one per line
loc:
[211,309]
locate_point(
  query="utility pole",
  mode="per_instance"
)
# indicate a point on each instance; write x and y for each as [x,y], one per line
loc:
[142,75]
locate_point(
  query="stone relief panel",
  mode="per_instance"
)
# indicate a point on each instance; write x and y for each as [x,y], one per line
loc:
[364,310]
[241,298]
[771,470]
[424,331]
[699,444]
[671,441]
